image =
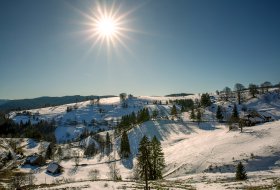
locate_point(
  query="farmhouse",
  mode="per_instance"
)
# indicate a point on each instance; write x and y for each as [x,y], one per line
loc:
[54,168]
[35,160]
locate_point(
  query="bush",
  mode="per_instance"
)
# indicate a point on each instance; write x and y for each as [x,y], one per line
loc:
[240,172]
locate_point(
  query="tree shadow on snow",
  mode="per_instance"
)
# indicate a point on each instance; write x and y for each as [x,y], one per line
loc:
[73,170]
[206,126]
[53,175]
[128,163]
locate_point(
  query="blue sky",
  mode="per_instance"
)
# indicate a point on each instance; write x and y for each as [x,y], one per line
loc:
[176,46]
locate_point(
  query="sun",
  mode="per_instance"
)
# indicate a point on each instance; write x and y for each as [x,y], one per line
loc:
[107,27]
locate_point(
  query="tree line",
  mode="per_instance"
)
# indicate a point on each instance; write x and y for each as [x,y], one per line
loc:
[239,89]
[43,130]
[128,121]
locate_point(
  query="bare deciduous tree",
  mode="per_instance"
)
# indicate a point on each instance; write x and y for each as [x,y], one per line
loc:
[239,89]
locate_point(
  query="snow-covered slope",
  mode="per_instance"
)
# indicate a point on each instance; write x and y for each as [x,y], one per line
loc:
[190,149]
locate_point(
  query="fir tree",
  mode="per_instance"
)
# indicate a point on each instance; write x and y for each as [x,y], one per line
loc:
[219,114]
[198,116]
[125,147]
[205,100]
[49,152]
[173,110]
[90,150]
[144,159]
[108,144]
[235,115]
[155,113]
[9,156]
[240,172]
[157,160]
[192,116]
[133,118]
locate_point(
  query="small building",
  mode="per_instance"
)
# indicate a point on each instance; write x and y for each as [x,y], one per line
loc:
[266,116]
[54,168]
[35,160]
[253,117]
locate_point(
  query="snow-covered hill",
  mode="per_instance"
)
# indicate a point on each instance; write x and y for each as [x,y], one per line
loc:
[191,149]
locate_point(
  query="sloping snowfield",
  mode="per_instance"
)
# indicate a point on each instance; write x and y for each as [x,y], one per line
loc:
[198,156]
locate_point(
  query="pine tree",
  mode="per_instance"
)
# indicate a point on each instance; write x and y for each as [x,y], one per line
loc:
[133,118]
[49,152]
[205,100]
[240,172]
[108,144]
[144,159]
[174,110]
[90,150]
[219,114]
[198,116]
[125,147]
[157,160]
[235,115]
[9,156]
[192,116]
[155,113]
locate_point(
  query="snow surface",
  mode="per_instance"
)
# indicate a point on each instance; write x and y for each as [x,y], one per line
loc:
[203,155]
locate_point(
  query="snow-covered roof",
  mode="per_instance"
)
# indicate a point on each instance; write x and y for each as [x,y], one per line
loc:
[33,158]
[53,167]
[256,119]
[265,114]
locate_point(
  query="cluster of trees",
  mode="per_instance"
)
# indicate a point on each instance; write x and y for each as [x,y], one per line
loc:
[43,130]
[239,89]
[196,115]
[156,102]
[106,145]
[150,160]
[186,104]
[205,100]
[174,110]
[234,118]
[130,120]
[90,150]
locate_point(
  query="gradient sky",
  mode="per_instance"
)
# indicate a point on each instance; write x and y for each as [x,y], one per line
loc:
[178,46]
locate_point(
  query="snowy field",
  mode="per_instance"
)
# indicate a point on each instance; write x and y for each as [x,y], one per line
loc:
[197,156]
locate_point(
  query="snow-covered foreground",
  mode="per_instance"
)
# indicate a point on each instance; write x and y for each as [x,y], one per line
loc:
[217,181]
[200,156]
[194,156]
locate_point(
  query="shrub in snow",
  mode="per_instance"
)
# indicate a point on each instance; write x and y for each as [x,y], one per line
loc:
[94,174]
[240,172]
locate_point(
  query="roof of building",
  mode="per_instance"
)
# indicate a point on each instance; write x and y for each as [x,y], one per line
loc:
[53,167]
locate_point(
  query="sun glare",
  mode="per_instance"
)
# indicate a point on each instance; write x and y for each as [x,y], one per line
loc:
[107,27]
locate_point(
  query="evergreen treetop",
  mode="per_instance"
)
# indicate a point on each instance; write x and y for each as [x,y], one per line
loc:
[240,172]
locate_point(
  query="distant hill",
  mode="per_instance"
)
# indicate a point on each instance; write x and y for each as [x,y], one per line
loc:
[179,94]
[23,104]
[3,101]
